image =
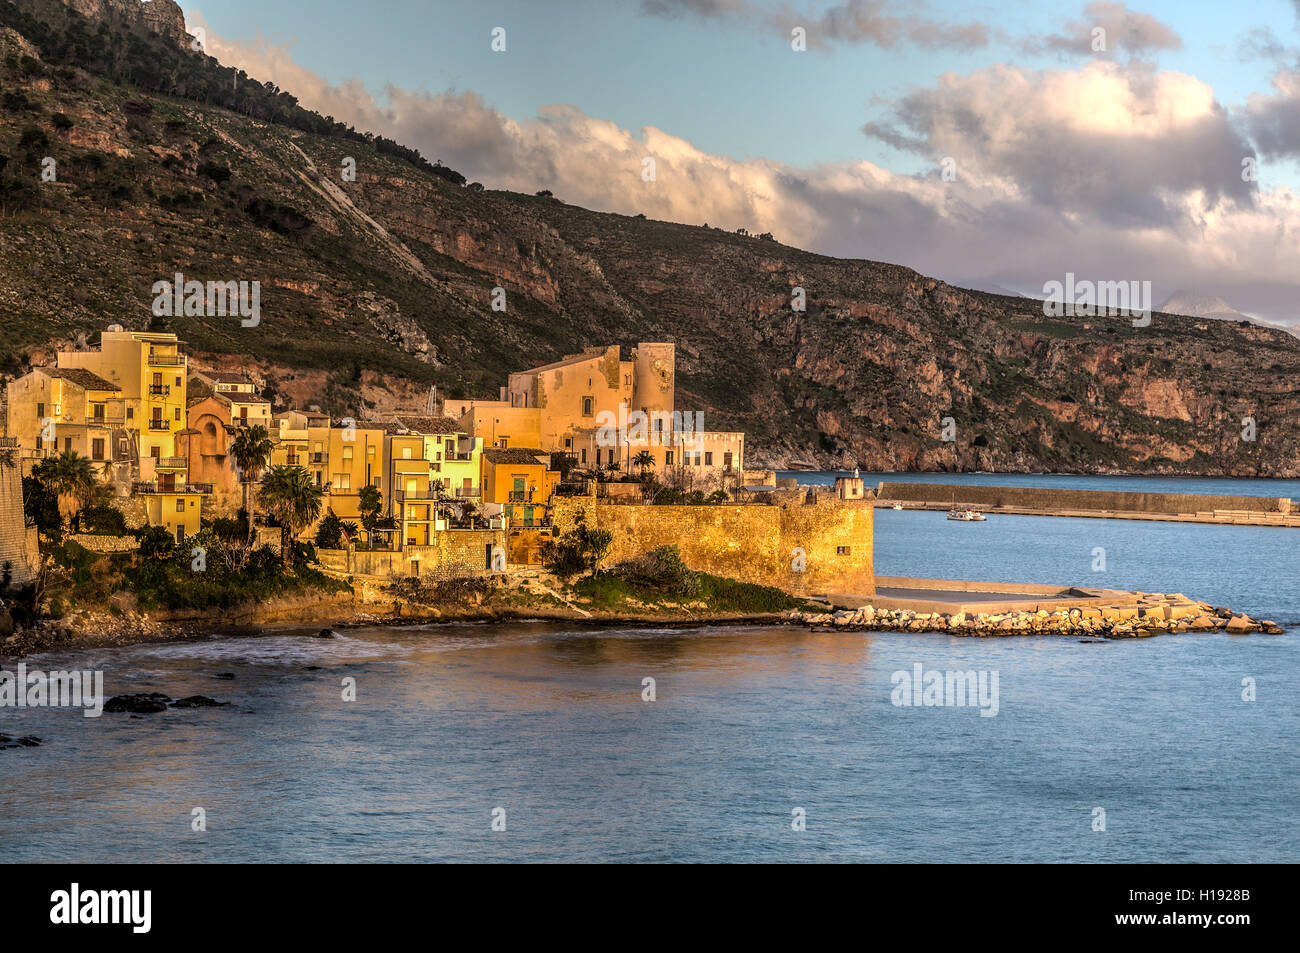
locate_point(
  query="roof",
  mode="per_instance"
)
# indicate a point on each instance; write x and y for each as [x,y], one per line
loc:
[515,456]
[429,425]
[595,353]
[79,376]
[387,426]
[222,377]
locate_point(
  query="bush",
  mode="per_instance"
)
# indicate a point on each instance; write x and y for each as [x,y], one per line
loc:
[580,550]
[661,569]
[103,519]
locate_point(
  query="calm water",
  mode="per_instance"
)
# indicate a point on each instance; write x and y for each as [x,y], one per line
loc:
[547,722]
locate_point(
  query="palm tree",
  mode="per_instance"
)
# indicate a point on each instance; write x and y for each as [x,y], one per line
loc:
[295,501]
[644,459]
[71,477]
[369,503]
[250,448]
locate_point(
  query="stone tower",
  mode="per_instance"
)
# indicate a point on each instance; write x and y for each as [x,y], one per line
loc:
[13,525]
[654,383]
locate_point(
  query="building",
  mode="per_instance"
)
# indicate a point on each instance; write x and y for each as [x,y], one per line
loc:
[205,446]
[517,483]
[53,409]
[603,411]
[150,374]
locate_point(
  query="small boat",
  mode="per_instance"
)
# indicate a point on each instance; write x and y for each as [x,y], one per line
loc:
[898,506]
[966,514]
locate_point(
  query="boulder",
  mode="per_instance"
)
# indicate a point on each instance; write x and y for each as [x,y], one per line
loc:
[138,703]
[1240,624]
[198,701]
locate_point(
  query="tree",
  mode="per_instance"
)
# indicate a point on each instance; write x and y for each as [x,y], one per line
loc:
[294,500]
[369,503]
[71,478]
[251,448]
[579,550]
[644,460]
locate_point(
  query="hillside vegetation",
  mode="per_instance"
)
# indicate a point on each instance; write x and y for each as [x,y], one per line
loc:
[374,289]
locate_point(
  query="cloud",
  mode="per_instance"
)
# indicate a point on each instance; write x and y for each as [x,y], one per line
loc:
[1123,29]
[1112,172]
[1120,145]
[851,22]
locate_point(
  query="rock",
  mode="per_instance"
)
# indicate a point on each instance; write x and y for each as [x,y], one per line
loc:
[327,634]
[139,703]
[1240,624]
[198,701]
[27,741]
[226,675]
[1270,627]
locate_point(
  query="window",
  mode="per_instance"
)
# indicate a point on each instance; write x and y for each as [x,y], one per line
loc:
[40,411]
[843,550]
[587,403]
[568,443]
[130,413]
[67,444]
[668,458]
[180,505]
[176,413]
[347,453]
[726,461]
[97,448]
[406,453]
[155,452]
[343,481]
[597,457]
[410,485]
[708,459]
[584,456]
[178,382]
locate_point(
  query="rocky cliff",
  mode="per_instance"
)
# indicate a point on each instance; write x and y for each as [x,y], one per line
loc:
[374,288]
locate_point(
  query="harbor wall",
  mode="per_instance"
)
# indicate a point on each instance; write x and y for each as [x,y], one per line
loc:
[1042,498]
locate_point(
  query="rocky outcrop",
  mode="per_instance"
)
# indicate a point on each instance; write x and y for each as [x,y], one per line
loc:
[164,17]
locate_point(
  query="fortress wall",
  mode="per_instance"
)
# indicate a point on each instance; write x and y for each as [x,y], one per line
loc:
[819,548]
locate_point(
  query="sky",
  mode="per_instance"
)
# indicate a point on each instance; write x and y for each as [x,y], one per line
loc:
[996,145]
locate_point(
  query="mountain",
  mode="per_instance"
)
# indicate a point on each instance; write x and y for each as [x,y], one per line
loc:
[374,289]
[1195,305]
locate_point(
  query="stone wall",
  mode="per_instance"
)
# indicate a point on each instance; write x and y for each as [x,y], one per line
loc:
[1041,498]
[454,552]
[105,544]
[819,547]
[14,548]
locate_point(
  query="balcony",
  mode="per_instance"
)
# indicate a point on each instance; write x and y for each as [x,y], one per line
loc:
[518,496]
[158,424]
[408,495]
[171,463]
[159,390]
[320,458]
[468,492]
[154,489]
[107,420]
[166,360]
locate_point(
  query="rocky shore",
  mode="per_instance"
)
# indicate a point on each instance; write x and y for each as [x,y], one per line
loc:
[1152,614]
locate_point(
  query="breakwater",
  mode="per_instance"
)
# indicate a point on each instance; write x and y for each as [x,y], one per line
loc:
[1044,501]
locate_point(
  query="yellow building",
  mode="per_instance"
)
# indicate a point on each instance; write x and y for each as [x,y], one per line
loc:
[355,458]
[413,500]
[496,422]
[518,483]
[179,509]
[150,371]
[54,409]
